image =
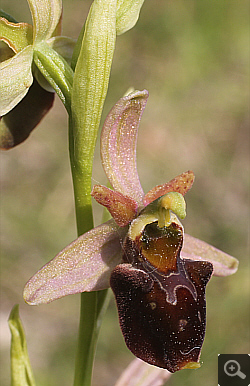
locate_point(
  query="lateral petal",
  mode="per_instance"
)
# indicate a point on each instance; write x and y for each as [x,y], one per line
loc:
[84,265]
[118,144]
[196,249]
[180,184]
[122,208]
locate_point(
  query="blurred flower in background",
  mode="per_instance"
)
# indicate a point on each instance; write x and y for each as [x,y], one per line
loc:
[24,100]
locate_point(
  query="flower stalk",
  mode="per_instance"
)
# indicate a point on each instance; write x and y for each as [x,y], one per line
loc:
[88,94]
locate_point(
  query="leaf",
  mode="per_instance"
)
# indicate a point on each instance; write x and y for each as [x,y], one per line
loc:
[127,14]
[21,372]
[84,265]
[7,16]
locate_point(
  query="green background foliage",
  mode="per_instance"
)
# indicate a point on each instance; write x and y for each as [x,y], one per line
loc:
[193,57]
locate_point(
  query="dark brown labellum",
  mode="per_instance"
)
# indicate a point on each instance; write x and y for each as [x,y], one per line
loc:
[161,298]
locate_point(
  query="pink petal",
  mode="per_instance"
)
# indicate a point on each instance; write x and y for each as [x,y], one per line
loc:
[196,249]
[139,373]
[84,265]
[180,184]
[118,144]
[122,208]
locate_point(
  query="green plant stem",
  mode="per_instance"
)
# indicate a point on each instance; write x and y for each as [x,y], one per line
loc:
[92,303]
[89,91]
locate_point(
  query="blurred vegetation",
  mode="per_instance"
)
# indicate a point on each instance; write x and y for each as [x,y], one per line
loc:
[193,57]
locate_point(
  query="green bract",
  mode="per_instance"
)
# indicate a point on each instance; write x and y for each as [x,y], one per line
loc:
[21,373]
[26,44]
[127,14]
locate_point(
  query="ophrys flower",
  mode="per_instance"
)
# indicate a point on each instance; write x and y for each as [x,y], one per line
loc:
[159,284]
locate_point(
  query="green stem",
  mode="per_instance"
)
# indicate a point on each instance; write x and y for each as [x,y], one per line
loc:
[93,305]
[91,302]
[89,90]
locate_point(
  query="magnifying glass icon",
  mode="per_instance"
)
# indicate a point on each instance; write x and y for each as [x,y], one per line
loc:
[232,368]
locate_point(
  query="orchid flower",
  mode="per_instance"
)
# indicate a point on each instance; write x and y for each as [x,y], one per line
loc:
[157,273]
[25,95]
